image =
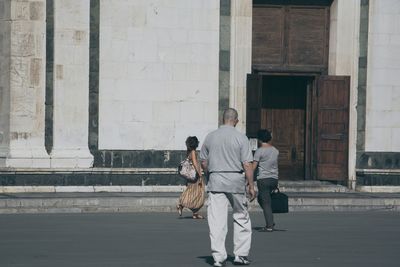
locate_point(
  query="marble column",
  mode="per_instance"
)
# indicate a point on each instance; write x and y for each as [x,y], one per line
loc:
[240,58]
[71,85]
[343,60]
[22,84]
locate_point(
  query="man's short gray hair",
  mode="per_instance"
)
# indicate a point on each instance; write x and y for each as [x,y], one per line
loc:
[230,114]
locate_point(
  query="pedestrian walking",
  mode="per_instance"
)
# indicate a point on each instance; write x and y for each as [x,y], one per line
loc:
[225,156]
[193,196]
[266,164]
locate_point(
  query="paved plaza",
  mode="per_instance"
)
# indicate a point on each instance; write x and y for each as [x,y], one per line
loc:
[162,239]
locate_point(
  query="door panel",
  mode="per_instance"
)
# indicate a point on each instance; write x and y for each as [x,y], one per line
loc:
[268,33]
[307,32]
[333,94]
[284,114]
[290,37]
[287,127]
[253,110]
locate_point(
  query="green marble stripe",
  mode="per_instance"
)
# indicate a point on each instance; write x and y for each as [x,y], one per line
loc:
[224,55]
[94,52]
[362,76]
[49,75]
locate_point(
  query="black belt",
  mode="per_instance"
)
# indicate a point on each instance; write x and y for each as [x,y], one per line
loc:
[227,172]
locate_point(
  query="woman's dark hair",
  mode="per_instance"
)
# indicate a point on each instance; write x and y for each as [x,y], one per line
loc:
[192,143]
[264,135]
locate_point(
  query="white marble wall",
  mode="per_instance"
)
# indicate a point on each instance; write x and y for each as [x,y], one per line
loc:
[71,85]
[22,87]
[158,72]
[383,82]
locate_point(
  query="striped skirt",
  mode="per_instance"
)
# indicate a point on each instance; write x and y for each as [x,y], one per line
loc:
[194,195]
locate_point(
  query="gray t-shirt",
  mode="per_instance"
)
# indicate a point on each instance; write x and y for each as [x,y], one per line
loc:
[267,158]
[225,149]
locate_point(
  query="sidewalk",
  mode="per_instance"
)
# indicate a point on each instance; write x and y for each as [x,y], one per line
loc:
[166,202]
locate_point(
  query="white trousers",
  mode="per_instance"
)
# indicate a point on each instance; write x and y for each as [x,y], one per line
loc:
[217,214]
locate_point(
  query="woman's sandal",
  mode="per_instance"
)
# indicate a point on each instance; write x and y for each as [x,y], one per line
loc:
[197,216]
[179,209]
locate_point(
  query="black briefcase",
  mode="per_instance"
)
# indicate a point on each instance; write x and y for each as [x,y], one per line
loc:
[279,202]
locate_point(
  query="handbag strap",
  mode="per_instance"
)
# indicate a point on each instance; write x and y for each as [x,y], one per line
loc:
[191,162]
[276,190]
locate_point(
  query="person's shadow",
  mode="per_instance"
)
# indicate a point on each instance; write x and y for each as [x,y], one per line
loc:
[260,229]
[191,218]
[209,259]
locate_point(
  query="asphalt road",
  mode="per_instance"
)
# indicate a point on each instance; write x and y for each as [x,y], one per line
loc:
[162,239]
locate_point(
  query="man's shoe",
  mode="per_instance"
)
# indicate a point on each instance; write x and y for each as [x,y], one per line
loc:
[219,263]
[241,260]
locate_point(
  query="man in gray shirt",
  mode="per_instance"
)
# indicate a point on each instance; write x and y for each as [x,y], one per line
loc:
[225,156]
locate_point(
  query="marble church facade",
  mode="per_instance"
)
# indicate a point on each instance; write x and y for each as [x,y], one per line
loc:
[106,91]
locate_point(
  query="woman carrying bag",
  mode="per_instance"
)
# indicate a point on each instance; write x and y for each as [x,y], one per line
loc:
[266,163]
[193,196]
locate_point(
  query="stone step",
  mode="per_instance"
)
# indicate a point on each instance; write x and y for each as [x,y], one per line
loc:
[312,186]
[285,186]
[166,202]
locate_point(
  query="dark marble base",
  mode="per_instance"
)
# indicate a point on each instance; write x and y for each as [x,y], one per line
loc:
[378,168]
[369,179]
[88,179]
[378,160]
[138,158]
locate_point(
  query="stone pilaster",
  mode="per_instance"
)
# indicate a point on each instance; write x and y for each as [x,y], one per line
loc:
[22,85]
[5,46]
[71,85]
[240,56]
[343,60]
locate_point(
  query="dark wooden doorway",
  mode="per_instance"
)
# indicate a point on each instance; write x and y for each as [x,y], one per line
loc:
[284,113]
[289,92]
[283,109]
[308,117]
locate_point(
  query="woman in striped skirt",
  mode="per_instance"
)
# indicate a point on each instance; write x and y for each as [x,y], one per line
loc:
[193,196]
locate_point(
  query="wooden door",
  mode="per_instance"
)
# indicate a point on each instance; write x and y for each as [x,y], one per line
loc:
[290,38]
[287,127]
[332,129]
[253,110]
[283,113]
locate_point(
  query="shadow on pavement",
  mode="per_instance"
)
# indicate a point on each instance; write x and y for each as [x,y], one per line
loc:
[260,229]
[191,218]
[209,259]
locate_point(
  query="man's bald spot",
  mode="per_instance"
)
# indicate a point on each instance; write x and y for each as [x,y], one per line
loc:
[230,115]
